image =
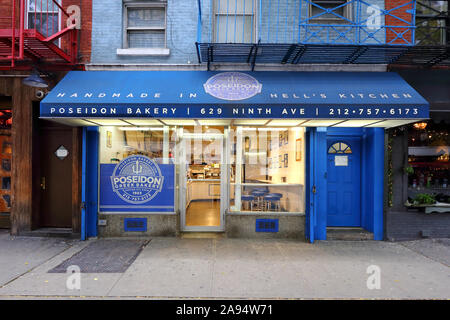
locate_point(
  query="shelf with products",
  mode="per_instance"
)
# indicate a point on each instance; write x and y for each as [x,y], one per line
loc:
[204,171]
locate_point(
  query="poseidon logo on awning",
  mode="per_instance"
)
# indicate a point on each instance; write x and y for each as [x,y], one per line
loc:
[137,179]
[232,86]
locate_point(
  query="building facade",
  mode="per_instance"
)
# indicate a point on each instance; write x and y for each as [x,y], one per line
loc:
[39,42]
[223,116]
[418,196]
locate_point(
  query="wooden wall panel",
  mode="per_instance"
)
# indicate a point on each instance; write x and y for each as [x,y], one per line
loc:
[21,177]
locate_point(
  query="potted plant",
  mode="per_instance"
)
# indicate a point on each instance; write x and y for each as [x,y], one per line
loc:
[409,170]
[424,199]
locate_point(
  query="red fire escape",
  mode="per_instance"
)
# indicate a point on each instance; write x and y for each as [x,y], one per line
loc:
[35,34]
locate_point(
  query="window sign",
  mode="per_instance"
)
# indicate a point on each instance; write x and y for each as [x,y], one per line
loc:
[341,161]
[137,171]
[136,184]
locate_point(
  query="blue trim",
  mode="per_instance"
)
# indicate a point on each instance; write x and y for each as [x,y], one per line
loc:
[316,203]
[266,225]
[92,161]
[309,197]
[199,22]
[83,185]
[372,179]
[137,224]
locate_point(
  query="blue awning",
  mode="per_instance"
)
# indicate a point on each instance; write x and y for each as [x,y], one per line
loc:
[233,95]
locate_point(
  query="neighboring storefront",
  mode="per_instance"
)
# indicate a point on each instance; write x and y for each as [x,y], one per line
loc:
[419,191]
[251,154]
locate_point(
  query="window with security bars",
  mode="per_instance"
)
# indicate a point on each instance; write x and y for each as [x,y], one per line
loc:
[145,24]
[339,10]
[235,21]
[43,16]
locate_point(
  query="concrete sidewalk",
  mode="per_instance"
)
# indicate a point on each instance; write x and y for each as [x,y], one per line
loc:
[233,268]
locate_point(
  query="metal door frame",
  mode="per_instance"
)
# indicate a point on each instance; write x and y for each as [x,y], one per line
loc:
[223,185]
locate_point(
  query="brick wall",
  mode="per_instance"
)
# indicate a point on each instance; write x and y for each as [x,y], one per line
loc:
[401,13]
[84,35]
[5,14]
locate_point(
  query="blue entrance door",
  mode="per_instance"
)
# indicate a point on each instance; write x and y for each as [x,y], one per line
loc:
[344,182]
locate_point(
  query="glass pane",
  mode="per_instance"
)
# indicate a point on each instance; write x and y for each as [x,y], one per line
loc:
[5,160]
[203,147]
[149,17]
[431,8]
[326,5]
[46,24]
[234,29]
[137,169]
[267,169]
[428,169]
[118,143]
[146,39]
[43,5]
[236,6]
[269,198]
[430,31]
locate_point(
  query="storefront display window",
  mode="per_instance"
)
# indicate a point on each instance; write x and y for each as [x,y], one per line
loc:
[267,170]
[137,165]
[428,164]
[5,161]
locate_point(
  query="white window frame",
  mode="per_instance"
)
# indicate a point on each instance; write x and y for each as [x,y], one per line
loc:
[148,50]
[322,19]
[217,14]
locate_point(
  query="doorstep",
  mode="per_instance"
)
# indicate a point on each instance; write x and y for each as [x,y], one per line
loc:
[52,233]
[202,235]
[349,234]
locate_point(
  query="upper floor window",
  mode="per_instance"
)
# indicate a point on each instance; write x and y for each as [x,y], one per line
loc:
[43,16]
[338,9]
[432,22]
[145,24]
[235,21]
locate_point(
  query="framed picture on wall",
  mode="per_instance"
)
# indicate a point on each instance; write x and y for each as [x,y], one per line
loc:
[286,157]
[108,139]
[286,137]
[298,150]
[247,144]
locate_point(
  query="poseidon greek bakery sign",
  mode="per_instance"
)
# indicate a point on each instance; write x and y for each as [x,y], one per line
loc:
[232,86]
[136,184]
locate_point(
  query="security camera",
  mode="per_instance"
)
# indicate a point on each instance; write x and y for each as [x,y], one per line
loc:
[40,94]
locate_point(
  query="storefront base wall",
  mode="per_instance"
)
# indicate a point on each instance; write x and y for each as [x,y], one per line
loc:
[158,225]
[244,226]
[411,225]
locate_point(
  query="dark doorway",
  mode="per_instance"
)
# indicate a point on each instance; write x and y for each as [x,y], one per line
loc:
[55,179]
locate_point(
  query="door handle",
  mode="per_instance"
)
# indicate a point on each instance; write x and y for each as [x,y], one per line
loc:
[43,183]
[314,189]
